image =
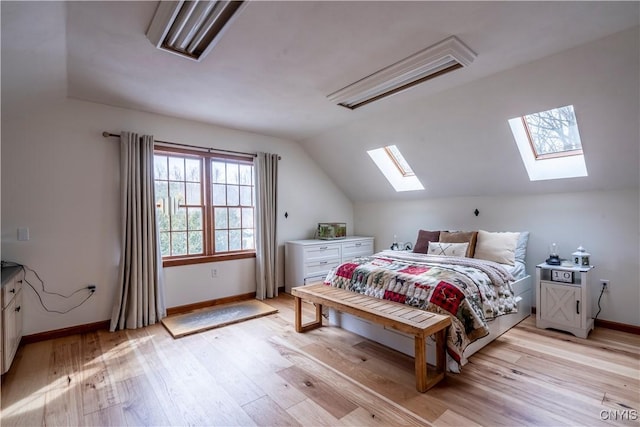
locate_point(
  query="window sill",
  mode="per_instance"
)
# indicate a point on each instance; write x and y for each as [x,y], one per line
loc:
[174,262]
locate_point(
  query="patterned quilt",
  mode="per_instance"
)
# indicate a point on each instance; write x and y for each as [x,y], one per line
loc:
[469,290]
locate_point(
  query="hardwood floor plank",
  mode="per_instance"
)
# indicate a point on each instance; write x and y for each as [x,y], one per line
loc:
[264,411]
[99,391]
[63,397]
[310,413]
[23,402]
[255,373]
[319,391]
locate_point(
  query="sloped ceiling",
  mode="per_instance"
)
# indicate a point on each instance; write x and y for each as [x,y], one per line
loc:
[273,68]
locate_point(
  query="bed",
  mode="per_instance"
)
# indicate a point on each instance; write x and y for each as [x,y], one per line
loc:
[483,297]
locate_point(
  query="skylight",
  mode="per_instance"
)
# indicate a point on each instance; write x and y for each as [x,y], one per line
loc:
[553,133]
[395,168]
[549,144]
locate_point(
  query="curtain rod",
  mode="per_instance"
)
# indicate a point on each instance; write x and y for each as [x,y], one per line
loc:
[109,134]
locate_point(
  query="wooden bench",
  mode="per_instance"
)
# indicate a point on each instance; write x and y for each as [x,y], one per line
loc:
[400,317]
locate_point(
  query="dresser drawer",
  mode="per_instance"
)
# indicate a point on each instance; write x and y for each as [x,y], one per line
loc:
[354,249]
[322,252]
[318,268]
[11,289]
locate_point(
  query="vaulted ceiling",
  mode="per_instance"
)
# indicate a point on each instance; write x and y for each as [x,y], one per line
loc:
[274,67]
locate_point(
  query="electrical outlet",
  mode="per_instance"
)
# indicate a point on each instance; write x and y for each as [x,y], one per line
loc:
[214,272]
[605,284]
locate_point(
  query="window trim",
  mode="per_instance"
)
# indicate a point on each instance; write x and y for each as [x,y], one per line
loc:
[208,244]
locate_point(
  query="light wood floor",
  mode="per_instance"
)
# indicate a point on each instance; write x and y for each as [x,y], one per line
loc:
[261,372]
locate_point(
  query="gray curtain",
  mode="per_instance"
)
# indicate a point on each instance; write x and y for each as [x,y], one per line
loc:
[266,215]
[140,297]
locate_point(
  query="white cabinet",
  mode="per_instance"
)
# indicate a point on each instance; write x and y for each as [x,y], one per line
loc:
[563,299]
[309,261]
[12,278]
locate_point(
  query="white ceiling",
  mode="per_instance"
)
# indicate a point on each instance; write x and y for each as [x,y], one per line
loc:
[271,72]
[273,68]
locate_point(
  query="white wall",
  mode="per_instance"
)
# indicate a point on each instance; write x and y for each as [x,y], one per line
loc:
[60,179]
[606,223]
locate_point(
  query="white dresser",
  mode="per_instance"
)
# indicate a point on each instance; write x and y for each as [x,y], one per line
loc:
[309,261]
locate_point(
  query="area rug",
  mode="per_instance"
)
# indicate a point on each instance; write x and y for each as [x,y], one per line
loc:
[215,317]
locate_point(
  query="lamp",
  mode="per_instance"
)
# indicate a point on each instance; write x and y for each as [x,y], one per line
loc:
[581,257]
[554,256]
[191,28]
[441,58]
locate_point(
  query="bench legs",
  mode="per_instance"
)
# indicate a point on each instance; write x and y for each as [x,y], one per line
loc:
[311,325]
[423,382]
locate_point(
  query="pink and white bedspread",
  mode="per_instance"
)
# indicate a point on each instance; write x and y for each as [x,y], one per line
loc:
[471,291]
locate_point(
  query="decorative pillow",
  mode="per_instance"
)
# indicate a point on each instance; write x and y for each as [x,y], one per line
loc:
[521,246]
[448,249]
[497,247]
[424,237]
[461,237]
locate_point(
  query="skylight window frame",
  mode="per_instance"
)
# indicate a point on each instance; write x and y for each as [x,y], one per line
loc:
[553,165]
[558,154]
[398,162]
[392,170]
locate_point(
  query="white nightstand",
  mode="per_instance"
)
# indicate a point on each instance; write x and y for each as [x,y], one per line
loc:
[563,298]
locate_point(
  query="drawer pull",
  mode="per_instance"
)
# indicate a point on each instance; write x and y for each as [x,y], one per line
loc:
[323,262]
[19,281]
[13,291]
[578,307]
[324,248]
[18,308]
[358,244]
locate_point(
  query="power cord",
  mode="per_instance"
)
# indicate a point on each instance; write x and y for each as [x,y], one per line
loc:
[26,269]
[604,286]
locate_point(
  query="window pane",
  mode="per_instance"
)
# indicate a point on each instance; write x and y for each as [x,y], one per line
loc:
[165,246]
[163,220]
[247,218]
[245,196]
[179,243]
[179,220]
[195,242]
[193,194]
[233,195]
[234,218]
[219,194]
[245,175]
[222,244]
[247,239]
[218,172]
[193,170]
[235,240]
[554,131]
[195,218]
[232,173]
[160,166]
[221,221]
[176,168]
[176,191]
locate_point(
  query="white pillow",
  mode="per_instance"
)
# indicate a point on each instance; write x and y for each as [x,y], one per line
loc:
[497,247]
[448,249]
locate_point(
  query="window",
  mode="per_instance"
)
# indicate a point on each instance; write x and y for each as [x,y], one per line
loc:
[549,144]
[553,133]
[395,168]
[205,206]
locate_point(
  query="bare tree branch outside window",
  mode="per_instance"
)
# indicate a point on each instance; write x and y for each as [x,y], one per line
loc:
[553,132]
